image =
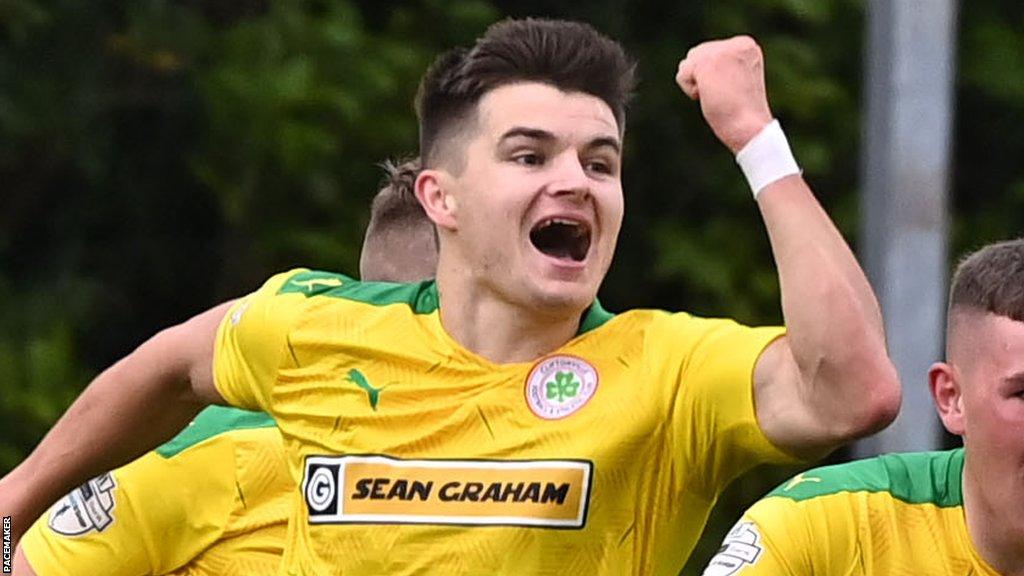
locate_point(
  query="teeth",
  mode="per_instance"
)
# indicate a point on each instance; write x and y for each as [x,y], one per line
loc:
[580,227]
[571,239]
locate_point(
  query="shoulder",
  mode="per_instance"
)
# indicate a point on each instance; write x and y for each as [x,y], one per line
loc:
[214,422]
[639,322]
[301,297]
[680,340]
[722,345]
[685,327]
[421,297]
[819,518]
[914,478]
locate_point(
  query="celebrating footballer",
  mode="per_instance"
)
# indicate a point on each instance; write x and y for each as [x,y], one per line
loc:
[498,420]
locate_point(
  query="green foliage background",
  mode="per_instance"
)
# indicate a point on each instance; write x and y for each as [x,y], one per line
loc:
[157,157]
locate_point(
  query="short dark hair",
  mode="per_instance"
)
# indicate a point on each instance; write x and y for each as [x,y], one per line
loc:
[991,280]
[570,56]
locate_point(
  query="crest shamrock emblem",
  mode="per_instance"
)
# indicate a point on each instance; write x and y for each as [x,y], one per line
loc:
[559,386]
[565,385]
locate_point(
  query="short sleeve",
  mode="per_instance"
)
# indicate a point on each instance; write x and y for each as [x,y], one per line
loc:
[148,517]
[91,526]
[714,434]
[759,545]
[252,340]
[780,535]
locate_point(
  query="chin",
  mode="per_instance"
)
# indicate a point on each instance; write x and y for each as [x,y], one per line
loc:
[563,298]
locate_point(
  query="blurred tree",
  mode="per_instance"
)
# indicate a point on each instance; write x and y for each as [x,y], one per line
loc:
[159,156]
[988,200]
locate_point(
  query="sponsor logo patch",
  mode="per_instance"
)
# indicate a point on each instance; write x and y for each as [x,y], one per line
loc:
[372,393]
[88,507]
[741,548]
[385,490]
[559,386]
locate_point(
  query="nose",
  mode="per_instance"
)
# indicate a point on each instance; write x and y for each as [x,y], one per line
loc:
[569,177]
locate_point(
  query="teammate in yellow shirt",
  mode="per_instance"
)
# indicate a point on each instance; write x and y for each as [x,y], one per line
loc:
[214,500]
[498,420]
[946,513]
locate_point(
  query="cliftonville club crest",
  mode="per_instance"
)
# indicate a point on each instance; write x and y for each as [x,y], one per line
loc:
[560,385]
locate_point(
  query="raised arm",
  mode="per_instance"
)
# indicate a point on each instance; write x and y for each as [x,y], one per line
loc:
[132,407]
[830,379]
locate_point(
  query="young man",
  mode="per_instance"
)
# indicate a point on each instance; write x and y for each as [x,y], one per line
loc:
[953,512]
[213,501]
[499,420]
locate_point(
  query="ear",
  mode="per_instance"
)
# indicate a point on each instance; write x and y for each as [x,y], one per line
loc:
[943,380]
[431,190]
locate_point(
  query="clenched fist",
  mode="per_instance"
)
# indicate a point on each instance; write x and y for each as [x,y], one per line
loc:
[727,78]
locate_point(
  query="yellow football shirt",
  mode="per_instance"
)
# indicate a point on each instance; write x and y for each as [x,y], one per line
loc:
[894,515]
[214,501]
[415,456]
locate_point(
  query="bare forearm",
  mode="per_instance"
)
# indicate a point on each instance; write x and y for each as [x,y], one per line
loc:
[129,409]
[830,379]
[833,321]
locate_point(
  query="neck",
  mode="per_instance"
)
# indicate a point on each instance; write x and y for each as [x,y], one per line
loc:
[494,328]
[994,526]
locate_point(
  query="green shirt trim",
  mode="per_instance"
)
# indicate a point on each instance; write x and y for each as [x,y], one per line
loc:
[915,478]
[594,317]
[214,421]
[420,296]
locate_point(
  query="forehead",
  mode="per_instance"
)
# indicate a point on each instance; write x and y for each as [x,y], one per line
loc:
[541,106]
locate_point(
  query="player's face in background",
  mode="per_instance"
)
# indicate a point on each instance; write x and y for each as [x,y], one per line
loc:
[986,365]
[540,196]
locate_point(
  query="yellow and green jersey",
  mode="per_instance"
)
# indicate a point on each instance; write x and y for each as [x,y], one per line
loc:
[416,456]
[894,515]
[214,501]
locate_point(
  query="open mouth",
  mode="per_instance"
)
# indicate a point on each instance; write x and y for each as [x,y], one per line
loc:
[562,238]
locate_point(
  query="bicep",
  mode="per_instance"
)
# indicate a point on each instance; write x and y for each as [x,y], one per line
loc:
[183,353]
[784,404]
[202,331]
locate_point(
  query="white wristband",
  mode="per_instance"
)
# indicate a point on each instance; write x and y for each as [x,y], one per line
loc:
[767,158]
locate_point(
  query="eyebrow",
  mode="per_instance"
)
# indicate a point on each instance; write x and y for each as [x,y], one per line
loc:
[545,136]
